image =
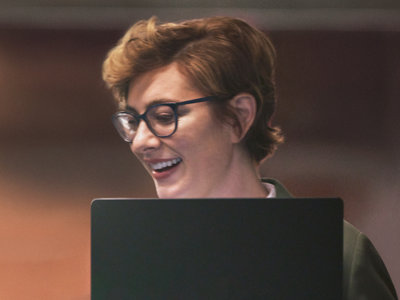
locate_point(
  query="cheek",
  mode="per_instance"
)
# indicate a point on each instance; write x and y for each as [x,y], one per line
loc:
[186,145]
[201,138]
[207,145]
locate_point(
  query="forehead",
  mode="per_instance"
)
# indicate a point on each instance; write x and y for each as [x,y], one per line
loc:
[166,83]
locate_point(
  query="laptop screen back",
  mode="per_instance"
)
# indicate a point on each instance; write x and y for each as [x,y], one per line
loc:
[217,249]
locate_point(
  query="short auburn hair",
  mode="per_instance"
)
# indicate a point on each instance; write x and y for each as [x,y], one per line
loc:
[222,56]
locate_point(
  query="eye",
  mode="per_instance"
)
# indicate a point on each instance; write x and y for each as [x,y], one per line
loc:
[132,121]
[162,115]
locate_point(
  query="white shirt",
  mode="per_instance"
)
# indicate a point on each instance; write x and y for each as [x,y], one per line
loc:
[271,190]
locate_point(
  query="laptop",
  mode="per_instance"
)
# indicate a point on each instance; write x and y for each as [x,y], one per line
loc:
[216,248]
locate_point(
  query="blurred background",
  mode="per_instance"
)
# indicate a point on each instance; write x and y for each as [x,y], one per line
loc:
[339,92]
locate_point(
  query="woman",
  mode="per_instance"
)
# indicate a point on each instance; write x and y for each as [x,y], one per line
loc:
[196,100]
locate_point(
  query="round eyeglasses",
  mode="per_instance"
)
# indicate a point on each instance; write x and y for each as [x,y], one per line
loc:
[160,118]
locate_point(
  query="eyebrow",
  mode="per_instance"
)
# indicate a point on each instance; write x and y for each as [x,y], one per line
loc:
[153,102]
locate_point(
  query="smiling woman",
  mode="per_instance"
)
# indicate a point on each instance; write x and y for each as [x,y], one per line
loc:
[213,148]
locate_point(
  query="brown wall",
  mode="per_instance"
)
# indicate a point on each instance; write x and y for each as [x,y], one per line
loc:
[338,105]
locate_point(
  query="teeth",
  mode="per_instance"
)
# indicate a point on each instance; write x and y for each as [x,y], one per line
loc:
[164,164]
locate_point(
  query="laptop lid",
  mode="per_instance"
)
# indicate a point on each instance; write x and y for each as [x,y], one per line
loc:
[216,248]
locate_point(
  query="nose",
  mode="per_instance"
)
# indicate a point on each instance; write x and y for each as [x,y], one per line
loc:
[144,140]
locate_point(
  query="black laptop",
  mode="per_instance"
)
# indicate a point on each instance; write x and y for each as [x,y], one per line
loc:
[216,249]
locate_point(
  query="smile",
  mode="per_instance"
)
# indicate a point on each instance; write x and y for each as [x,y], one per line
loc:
[165,165]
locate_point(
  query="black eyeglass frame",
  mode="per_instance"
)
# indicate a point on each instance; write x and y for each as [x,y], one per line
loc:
[172,105]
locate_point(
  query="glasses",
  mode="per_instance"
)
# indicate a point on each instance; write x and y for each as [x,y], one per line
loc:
[161,119]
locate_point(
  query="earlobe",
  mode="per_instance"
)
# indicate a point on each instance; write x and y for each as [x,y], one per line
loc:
[245,107]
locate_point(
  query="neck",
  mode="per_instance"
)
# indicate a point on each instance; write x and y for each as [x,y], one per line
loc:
[242,179]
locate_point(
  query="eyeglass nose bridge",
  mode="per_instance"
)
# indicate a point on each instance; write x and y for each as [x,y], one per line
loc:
[143,117]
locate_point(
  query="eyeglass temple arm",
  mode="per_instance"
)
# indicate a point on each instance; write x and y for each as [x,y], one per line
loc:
[203,99]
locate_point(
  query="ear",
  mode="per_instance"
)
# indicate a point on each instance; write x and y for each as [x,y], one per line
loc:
[244,105]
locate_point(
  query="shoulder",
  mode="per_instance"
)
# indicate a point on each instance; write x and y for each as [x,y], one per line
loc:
[364,273]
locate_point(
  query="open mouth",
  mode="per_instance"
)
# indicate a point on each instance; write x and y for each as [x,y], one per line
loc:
[165,165]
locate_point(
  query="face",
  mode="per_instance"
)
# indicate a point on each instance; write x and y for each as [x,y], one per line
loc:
[194,161]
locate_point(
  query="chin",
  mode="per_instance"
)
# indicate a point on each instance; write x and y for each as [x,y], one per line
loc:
[167,193]
[170,192]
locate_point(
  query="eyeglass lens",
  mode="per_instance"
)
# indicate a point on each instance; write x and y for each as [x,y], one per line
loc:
[161,120]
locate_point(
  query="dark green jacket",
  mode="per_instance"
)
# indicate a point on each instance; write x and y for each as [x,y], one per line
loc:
[364,274]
